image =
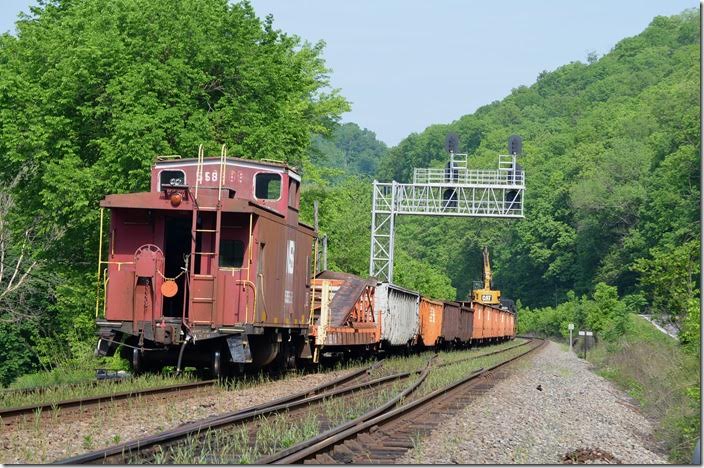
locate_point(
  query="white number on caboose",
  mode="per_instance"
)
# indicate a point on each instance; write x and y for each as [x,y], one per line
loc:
[291,257]
[209,176]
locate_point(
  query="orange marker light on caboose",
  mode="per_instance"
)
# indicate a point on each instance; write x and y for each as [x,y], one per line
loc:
[175,199]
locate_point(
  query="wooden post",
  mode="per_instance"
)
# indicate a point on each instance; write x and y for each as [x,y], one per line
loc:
[324,261]
[316,269]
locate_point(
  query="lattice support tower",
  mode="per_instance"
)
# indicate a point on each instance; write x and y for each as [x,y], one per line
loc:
[451,191]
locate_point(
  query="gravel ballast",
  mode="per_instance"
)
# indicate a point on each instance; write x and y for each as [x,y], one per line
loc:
[516,422]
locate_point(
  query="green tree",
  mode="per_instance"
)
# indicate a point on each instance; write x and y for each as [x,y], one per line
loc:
[91,91]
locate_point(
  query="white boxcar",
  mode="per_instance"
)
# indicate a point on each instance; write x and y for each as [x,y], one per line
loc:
[400,323]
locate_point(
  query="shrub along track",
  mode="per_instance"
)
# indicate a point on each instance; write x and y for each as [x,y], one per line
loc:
[353,394]
[374,438]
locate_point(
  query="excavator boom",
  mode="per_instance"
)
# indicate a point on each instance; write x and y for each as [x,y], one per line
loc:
[487,269]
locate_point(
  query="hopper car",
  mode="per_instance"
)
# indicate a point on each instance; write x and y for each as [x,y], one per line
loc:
[212,268]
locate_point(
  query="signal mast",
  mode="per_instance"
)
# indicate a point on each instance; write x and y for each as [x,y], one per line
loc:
[454,190]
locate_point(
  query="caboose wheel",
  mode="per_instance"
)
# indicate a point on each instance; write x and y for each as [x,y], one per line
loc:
[136,361]
[216,366]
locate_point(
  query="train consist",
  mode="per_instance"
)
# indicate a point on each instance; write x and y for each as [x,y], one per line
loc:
[212,268]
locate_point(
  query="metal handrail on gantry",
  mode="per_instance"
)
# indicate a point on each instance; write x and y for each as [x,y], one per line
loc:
[452,191]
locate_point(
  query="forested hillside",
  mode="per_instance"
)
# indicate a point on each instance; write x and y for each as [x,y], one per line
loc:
[348,151]
[611,156]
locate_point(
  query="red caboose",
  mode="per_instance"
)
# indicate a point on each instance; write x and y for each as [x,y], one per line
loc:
[209,268]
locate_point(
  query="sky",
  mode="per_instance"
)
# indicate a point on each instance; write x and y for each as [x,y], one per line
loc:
[408,64]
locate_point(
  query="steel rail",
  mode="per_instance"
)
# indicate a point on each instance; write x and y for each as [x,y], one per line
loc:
[351,376]
[323,442]
[237,417]
[9,415]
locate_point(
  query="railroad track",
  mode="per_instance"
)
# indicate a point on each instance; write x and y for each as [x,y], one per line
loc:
[10,416]
[359,386]
[383,438]
[147,448]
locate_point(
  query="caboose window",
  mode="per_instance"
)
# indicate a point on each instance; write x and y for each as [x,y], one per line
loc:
[231,253]
[172,178]
[267,186]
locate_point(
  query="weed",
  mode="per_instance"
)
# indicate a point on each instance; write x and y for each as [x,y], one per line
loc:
[37,419]
[87,442]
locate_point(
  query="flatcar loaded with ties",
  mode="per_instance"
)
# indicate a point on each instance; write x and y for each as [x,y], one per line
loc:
[209,268]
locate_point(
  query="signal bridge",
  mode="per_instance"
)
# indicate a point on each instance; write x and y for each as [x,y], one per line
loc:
[455,190]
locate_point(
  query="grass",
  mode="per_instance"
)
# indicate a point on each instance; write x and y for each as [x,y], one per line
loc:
[53,377]
[263,377]
[444,376]
[88,389]
[235,446]
[410,363]
[652,368]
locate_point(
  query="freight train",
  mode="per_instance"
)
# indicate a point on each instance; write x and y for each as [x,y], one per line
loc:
[213,269]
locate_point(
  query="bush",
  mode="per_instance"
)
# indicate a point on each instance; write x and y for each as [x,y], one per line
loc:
[605,314]
[662,376]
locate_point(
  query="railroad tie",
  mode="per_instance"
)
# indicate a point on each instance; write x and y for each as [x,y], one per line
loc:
[326,459]
[354,445]
[342,453]
[404,442]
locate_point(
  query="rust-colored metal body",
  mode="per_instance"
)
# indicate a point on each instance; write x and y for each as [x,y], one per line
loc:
[444,323]
[432,318]
[491,323]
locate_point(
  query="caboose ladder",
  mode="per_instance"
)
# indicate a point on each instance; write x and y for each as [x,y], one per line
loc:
[203,287]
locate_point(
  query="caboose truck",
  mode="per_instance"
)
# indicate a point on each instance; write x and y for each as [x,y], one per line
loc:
[207,268]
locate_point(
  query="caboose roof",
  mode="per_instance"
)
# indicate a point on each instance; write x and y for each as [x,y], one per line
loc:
[268,165]
[152,201]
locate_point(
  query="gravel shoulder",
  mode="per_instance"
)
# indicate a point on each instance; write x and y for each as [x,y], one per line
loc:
[515,422]
[50,439]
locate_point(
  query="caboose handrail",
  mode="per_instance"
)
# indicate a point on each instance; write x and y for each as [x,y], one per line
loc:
[223,160]
[199,168]
[254,306]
